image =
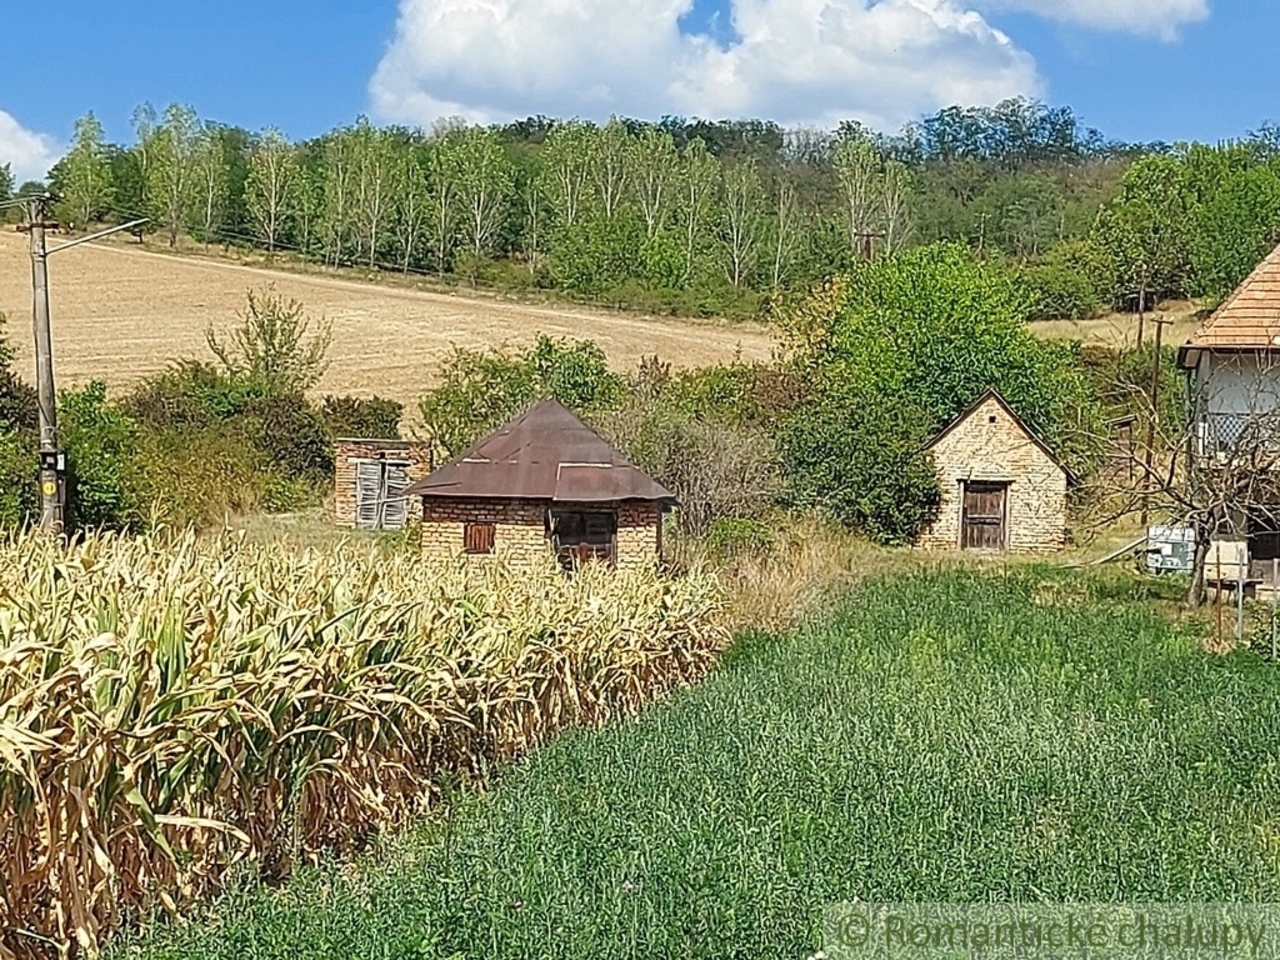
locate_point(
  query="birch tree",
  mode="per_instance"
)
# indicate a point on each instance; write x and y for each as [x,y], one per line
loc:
[610,153]
[171,169]
[741,219]
[211,180]
[443,174]
[700,178]
[786,221]
[412,201]
[857,166]
[485,182]
[655,169]
[87,188]
[339,193]
[895,213]
[375,176]
[271,189]
[566,168]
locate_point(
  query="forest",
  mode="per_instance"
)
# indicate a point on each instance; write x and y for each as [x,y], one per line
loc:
[695,217]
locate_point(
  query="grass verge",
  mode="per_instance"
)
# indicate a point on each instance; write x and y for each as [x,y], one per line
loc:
[955,735]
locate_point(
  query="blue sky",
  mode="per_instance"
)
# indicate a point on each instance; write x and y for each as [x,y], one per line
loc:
[1136,69]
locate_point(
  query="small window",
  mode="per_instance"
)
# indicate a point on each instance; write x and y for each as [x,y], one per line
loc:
[478,537]
[991,418]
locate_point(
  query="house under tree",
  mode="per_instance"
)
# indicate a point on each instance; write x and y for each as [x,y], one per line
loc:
[1002,487]
[544,482]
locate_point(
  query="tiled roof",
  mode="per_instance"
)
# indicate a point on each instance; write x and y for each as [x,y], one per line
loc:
[546,453]
[1250,317]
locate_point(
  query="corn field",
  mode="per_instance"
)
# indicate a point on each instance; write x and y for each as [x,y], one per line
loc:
[171,706]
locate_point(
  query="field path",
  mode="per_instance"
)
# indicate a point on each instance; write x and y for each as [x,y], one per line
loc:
[121,312]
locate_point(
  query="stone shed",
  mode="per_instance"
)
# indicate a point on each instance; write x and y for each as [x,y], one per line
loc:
[370,480]
[543,482]
[1002,487]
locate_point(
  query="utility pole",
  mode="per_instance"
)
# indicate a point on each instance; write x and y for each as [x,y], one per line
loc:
[1152,423]
[53,462]
[868,240]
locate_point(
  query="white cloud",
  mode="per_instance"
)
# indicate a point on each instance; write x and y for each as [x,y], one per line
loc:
[880,61]
[1158,18]
[29,154]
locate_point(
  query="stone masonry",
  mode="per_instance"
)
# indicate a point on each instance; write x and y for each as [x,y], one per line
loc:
[520,534]
[348,452]
[991,445]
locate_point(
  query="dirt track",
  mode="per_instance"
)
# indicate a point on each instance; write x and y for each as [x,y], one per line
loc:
[121,313]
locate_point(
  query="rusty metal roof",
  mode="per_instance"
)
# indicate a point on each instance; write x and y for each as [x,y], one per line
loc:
[546,453]
[1249,319]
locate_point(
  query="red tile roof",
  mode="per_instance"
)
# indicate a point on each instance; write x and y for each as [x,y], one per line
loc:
[546,453]
[1249,319]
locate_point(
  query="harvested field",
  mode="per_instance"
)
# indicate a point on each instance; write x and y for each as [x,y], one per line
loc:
[121,312]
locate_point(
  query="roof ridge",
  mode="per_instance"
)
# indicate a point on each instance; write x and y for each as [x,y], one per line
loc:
[1269,262]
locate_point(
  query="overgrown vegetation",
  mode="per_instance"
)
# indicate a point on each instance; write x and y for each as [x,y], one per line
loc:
[199,441]
[170,707]
[1058,742]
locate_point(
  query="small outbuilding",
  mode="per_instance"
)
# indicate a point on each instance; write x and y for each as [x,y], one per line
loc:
[542,482]
[1002,487]
[370,478]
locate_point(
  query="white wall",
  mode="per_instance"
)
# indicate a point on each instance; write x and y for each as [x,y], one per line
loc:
[1240,384]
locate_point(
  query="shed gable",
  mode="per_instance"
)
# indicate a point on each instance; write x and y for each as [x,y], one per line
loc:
[990,443]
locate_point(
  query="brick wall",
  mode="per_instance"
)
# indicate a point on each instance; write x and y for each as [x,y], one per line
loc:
[1001,451]
[520,529]
[345,455]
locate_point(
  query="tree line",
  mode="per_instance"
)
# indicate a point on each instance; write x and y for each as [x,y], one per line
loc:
[697,216]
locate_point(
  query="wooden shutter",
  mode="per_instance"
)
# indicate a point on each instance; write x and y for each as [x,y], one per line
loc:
[394,508]
[368,493]
[477,538]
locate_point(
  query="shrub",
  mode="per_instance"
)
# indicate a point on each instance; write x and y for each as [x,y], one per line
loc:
[739,536]
[273,348]
[481,389]
[858,456]
[716,468]
[18,502]
[198,477]
[288,437]
[101,445]
[1067,284]
[374,417]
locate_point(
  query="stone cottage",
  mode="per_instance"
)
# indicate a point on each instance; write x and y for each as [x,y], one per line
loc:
[1002,487]
[543,482]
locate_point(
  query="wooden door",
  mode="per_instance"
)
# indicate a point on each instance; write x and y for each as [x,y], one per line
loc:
[983,517]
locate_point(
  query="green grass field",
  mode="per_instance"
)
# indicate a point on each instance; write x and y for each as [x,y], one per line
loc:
[949,736]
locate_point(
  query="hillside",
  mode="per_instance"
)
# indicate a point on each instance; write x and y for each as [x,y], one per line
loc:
[121,312]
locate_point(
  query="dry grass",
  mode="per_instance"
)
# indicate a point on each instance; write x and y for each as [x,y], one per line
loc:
[121,312]
[1121,329]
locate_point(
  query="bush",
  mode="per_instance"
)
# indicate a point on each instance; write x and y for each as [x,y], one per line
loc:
[18,502]
[101,445]
[739,536]
[273,349]
[858,456]
[1065,285]
[374,418]
[717,468]
[197,477]
[481,389]
[288,437]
